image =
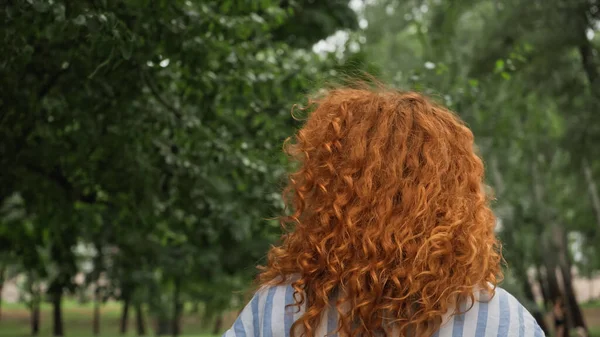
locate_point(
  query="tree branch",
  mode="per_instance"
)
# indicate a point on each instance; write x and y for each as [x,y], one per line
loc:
[155,92]
[592,188]
[63,182]
[49,84]
[586,51]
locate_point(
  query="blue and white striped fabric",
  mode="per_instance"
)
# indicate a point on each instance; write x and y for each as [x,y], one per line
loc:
[502,316]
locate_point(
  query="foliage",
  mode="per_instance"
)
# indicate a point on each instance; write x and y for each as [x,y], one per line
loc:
[143,138]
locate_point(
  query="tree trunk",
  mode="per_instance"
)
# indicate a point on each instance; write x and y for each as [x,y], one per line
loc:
[218,324]
[543,287]
[98,262]
[586,51]
[2,280]
[176,319]
[592,189]
[571,301]
[96,321]
[124,315]
[36,299]
[139,320]
[1,287]
[57,318]
[526,286]
[35,318]
[586,48]
[557,296]
[553,286]
[554,291]
[564,267]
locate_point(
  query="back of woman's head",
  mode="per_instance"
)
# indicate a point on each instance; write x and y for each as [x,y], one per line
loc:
[389,218]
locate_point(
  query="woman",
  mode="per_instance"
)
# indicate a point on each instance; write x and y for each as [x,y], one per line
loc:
[391,231]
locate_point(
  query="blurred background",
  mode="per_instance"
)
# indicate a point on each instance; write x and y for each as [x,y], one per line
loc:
[140,145]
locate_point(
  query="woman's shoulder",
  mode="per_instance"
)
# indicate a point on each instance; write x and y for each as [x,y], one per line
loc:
[491,314]
[270,312]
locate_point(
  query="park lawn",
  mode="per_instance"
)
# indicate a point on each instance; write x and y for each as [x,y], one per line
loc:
[591,304]
[78,321]
[591,313]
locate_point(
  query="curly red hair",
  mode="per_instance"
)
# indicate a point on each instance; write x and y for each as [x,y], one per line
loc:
[390,217]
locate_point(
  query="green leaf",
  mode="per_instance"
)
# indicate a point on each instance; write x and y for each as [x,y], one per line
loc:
[79,20]
[59,13]
[40,6]
[126,50]
[499,65]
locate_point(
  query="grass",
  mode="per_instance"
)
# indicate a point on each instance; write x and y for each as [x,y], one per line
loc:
[78,321]
[591,304]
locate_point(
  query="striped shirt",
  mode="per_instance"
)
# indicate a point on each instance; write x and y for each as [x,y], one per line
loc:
[501,316]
